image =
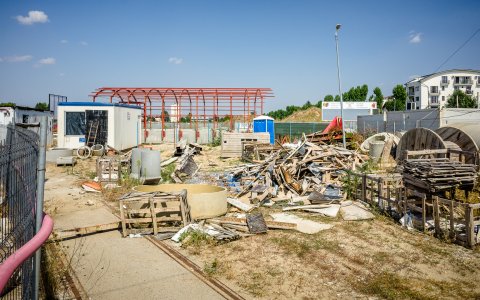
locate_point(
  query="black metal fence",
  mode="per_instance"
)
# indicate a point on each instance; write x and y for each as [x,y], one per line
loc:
[19,150]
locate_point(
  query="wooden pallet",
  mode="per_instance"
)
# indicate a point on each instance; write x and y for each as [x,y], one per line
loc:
[154,212]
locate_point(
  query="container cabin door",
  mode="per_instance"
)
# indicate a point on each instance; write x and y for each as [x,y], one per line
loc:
[100,116]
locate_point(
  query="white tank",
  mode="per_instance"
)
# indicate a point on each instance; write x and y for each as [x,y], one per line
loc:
[150,172]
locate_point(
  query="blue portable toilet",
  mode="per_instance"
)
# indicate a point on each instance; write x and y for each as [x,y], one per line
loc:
[265,124]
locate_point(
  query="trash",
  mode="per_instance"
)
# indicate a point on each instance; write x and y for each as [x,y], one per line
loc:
[256,223]
[240,205]
[186,167]
[305,226]
[89,203]
[331,211]
[351,211]
[91,186]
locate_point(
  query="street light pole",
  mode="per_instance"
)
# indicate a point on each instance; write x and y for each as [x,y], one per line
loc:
[340,85]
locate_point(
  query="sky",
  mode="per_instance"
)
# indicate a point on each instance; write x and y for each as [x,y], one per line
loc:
[71,48]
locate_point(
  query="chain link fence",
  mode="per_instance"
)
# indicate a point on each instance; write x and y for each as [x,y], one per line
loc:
[19,150]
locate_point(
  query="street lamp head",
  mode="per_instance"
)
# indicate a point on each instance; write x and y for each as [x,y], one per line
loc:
[338,26]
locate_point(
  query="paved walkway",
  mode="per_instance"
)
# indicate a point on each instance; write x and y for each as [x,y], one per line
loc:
[112,267]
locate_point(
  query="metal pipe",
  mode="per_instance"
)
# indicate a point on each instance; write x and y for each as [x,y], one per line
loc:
[340,85]
[40,194]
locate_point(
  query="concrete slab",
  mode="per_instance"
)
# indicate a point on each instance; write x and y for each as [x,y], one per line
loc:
[111,267]
[83,218]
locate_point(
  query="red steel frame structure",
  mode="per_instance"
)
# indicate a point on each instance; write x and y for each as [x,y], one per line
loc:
[200,104]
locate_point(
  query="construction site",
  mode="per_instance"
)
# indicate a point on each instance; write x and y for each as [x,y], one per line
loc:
[220,150]
[197,205]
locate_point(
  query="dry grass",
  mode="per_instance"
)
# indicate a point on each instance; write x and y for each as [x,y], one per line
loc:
[354,259]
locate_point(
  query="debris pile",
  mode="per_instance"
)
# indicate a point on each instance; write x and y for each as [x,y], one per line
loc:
[306,170]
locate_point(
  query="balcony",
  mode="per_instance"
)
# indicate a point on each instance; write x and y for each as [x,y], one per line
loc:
[462,81]
[444,82]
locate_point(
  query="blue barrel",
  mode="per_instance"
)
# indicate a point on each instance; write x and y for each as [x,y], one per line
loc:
[265,124]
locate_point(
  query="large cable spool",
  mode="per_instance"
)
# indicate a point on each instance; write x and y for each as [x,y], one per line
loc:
[417,139]
[465,135]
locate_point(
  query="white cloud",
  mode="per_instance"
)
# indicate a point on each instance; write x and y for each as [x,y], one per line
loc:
[175,60]
[34,16]
[16,58]
[83,43]
[47,61]
[64,42]
[415,37]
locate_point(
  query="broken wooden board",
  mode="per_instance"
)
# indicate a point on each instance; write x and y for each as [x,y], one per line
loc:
[81,231]
[303,225]
[256,223]
[243,221]
[240,205]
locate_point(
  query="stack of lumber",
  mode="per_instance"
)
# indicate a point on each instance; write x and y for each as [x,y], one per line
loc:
[438,174]
[232,142]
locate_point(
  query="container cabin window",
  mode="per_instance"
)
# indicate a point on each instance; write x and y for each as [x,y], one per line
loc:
[74,123]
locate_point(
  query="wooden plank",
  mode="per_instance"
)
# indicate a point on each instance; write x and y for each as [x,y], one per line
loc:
[154,216]
[81,231]
[270,224]
[470,229]
[122,217]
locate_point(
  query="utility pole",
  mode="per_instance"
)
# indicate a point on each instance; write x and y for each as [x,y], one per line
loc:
[337,28]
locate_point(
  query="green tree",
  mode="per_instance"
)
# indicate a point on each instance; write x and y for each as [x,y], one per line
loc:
[337,98]
[378,97]
[328,98]
[8,104]
[42,106]
[464,100]
[307,105]
[166,116]
[399,98]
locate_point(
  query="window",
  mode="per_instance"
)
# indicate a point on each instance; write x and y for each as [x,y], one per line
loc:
[434,89]
[74,123]
[443,98]
[443,88]
[417,88]
[434,99]
[417,99]
[24,119]
[444,80]
[456,88]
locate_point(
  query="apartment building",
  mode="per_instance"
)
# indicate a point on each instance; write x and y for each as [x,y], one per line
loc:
[433,91]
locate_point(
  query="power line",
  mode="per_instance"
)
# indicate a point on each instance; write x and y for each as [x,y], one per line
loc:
[459,48]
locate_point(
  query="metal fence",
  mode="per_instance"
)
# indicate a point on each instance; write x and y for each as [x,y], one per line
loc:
[294,130]
[19,150]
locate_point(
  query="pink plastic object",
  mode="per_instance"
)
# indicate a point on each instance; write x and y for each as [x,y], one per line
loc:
[18,257]
[336,123]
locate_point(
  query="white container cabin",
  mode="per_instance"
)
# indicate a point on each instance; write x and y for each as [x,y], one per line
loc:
[119,124]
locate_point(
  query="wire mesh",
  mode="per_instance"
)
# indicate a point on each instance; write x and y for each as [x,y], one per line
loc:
[19,149]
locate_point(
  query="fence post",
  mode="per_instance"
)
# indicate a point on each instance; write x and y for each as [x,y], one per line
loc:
[40,193]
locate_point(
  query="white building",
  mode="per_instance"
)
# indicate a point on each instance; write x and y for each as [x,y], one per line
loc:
[433,91]
[27,116]
[118,125]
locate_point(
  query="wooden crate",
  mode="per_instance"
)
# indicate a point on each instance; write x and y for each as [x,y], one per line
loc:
[232,142]
[154,212]
[110,169]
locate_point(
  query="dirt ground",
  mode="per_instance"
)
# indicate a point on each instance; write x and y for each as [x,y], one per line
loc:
[361,259]
[355,259]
